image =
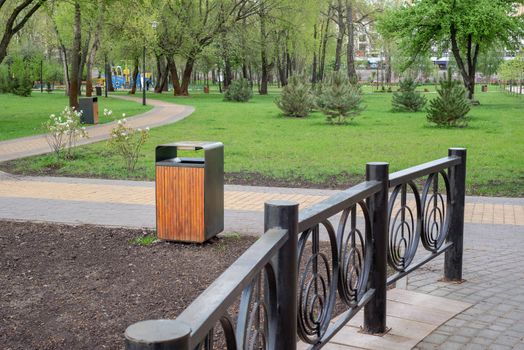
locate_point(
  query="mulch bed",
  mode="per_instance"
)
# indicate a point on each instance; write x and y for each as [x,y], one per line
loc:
[79,287]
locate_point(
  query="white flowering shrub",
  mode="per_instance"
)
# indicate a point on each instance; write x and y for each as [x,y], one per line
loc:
[108,113]
[127,142]
[63,132]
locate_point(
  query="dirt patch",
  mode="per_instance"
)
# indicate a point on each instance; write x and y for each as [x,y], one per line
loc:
[79,287]
[340,181]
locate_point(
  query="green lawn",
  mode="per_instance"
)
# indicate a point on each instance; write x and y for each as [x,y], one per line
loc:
[24,116]
[259,142]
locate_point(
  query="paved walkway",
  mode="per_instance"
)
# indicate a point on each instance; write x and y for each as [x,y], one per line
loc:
[494,273]
[95,201]
[161,114]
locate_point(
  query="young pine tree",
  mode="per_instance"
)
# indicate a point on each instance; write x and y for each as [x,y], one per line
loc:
[296,99]
[451,105]
[238,91]
[339,99]
[407,99]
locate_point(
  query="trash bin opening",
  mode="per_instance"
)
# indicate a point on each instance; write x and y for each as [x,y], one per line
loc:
[189,160]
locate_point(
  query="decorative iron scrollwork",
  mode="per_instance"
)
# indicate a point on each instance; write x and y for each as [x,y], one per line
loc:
[355,255]
[255,311]
[428,222]
[252,331]
[317,283]
[404,227]
[436,212]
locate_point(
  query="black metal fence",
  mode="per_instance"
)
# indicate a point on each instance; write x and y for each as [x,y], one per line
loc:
[328,260]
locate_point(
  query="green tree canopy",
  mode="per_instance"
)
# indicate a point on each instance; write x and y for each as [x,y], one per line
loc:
[465,27]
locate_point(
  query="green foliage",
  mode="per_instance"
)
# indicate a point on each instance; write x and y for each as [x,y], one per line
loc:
[17,76]
[144,240]
[512,70]
[407,99]
[5,86]
[296,99]
[427,23]
[340,100]
[451,105]
[239,91]
[22,86]
[127,142]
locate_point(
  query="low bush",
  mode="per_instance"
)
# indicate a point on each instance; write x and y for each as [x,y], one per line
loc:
[21,86]
[63,131]
[296,99]
[238,91]
[127,142]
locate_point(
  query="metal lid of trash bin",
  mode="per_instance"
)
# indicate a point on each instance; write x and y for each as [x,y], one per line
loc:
[194,145]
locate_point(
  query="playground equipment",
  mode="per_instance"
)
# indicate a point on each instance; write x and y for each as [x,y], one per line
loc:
[123,79]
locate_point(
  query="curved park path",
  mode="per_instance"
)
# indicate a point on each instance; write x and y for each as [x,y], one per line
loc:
[162,113]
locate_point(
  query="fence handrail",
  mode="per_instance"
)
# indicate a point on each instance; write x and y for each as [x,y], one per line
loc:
[336,203]
[207,309]
[414,172]
[355,269]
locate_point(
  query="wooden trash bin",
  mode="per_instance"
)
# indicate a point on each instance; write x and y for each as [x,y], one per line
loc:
[89,108]
[189,192]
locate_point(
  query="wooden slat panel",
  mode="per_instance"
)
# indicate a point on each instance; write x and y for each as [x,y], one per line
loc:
[180,203]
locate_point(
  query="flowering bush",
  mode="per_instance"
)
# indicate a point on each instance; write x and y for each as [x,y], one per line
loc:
[64,130]
[127,142]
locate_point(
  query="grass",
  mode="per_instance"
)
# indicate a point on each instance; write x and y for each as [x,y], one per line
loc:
[144,240]
[24,116]
[260,142]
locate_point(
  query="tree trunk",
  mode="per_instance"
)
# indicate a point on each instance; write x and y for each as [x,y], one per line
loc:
[227,72]
[159,73]
[314,68]
[76,57]
[65,65]
[171,65]
[135,76]
[94,49]
[340,35]
[352,73]
[83,60]
[109,70]
[186,76]
[165,77]
[468,74]
[322,55]
[263,52]
[89,66]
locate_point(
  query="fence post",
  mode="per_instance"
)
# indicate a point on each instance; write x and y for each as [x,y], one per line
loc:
[158,335]
[375,310]
[284,214]
[457,179]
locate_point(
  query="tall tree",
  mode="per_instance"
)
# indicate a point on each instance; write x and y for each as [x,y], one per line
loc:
[18,13]
[466,27]
[76,56]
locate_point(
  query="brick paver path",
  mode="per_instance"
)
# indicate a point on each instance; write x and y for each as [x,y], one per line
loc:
[161,114]
[494,274]
[482,210]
